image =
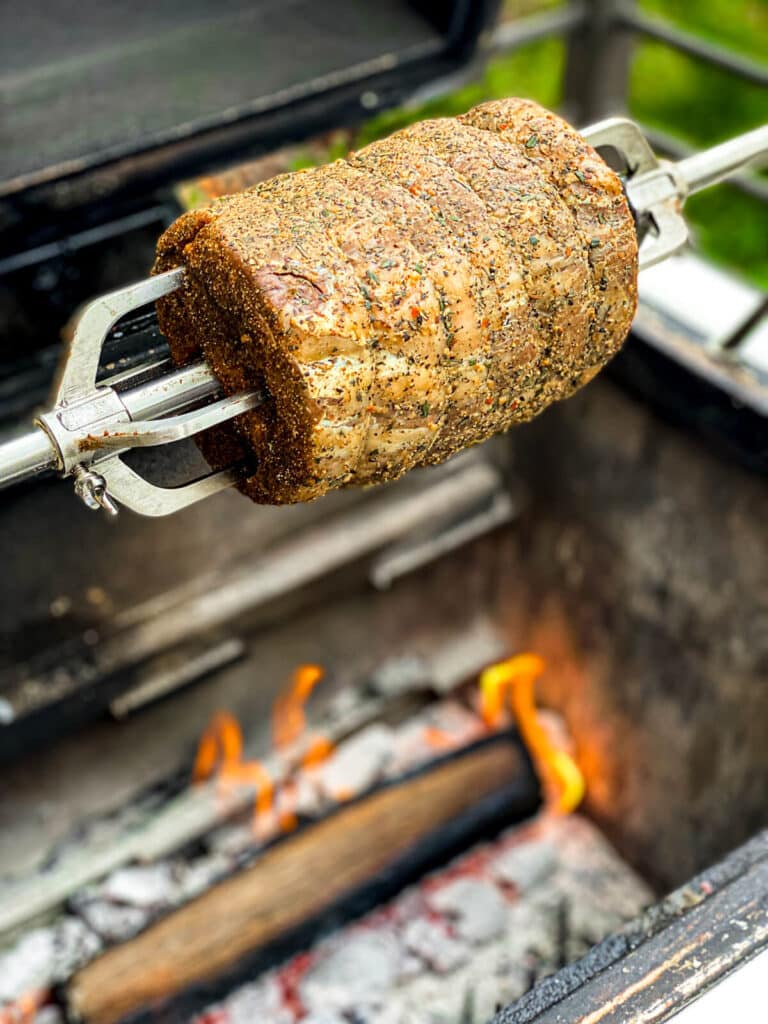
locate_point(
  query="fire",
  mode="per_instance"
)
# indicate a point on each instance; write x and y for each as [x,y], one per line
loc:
[221,743]
[220,751]
[514,681]
[24,1009]
[438,739]
[288,718]
[317,751]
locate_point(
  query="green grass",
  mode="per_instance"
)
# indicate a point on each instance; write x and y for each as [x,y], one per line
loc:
[535,70]
[703,105]
[741,25]
[667,90]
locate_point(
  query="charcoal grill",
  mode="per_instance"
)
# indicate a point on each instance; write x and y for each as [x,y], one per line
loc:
[621,536]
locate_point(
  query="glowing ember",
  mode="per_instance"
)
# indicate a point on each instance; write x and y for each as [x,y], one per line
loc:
[438,739]
[513,681]
[25,1008]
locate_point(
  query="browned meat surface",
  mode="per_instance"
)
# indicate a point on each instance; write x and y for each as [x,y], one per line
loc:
[404,303]
[596,200]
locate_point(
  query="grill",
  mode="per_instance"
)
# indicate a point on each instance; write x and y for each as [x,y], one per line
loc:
[253,767]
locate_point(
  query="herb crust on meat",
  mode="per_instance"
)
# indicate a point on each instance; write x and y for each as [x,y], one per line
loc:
[406,302]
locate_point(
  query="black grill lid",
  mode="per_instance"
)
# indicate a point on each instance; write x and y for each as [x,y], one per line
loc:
[85,84]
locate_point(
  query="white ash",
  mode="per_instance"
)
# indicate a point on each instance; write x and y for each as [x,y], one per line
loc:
[49,1015]
[526,865]
[340,707]
[26,967]
[412,965]
[532,930]
[150,886]
[356,765]
[260,1001]
[456,725]
[129,899]
[434,1000]
[488,994]
[102,831]
[309,800]
[394,677]
[113,922]
[231,840]
[456,720]
[304,796]
[325,1017]
[587,852]
[411,749]
[200,874]
[408,905]
[45,957]
[434,946]
[475,906]
[355,973]
[392,1013]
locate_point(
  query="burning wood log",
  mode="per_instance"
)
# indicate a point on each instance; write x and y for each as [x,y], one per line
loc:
[349,861]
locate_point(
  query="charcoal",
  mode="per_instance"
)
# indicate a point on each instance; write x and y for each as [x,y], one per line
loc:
[27,966]
[356,764]
[113,922]
[201,873]
[326,1017]
[46,956]
[526,865]
[262,1001]
[151,886]
[230,840]
[355,973]
[49,1015]
[434,945]
[455,725]
[476,907]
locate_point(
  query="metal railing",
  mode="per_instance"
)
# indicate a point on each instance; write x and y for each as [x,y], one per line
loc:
[600,35]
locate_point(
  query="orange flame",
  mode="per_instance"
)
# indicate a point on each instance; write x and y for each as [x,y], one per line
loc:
[438,739]
[320,747]
[220,752]
[288,718]
[221,744]
[24,1009]
[514,680]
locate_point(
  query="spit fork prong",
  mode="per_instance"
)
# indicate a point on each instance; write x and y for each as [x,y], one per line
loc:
[656,189]
[91,425]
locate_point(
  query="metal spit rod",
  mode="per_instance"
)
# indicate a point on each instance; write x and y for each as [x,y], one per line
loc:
[31,454]
[710,166]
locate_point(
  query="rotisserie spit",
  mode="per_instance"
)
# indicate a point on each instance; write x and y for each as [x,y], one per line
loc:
[378,313]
